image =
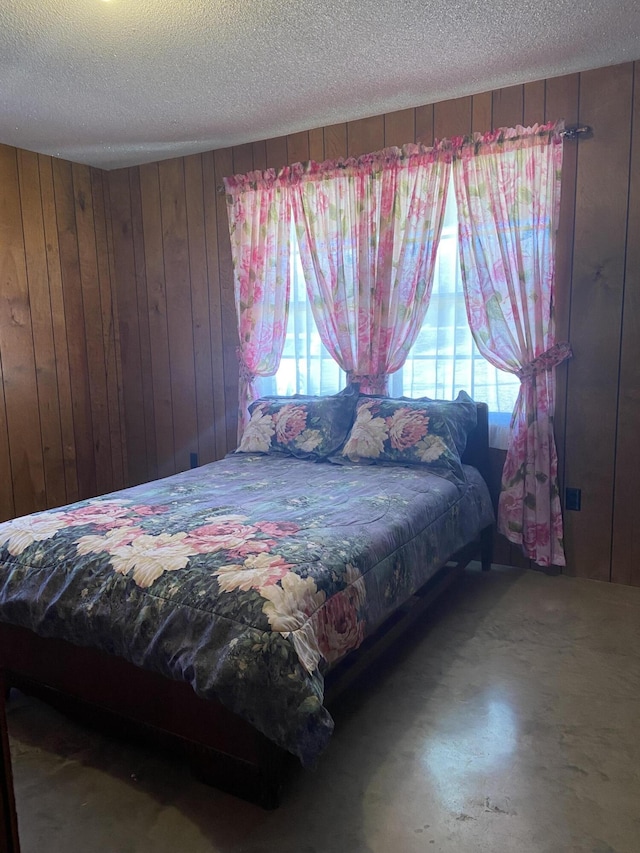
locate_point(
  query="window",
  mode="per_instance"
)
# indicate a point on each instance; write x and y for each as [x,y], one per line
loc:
[306,366]
[443,360]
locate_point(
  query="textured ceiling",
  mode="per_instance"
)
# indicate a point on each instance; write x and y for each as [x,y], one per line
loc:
[119,82]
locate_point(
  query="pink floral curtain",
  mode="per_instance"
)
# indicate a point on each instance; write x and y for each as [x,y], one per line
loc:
[508,193]
[260,229]
[368,232]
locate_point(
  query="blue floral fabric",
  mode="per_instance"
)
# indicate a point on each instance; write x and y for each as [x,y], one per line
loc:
[301,426]
[247,578]
[402,431]
[459,415]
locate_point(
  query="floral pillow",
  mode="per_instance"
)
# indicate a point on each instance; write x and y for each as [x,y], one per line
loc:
[460,414]
[403,432]
[306,427]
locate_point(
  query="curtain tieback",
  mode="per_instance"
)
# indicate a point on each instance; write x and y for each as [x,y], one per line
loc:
[246,375]
[554,356]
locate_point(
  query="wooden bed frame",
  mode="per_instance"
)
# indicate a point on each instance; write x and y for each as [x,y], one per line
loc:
[223,749]
[8,821]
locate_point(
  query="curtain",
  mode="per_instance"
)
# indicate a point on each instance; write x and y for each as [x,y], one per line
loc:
[444,358]
[306,366]
[260,229]
[368,232]
[507,187]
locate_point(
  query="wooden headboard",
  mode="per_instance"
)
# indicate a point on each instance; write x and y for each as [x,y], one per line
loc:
[477,450]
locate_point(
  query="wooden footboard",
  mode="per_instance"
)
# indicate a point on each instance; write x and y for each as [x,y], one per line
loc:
[8,821]
[223,749]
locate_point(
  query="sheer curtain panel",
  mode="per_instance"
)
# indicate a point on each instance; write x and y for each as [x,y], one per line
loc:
[508,193]
[260,229]
[368,231]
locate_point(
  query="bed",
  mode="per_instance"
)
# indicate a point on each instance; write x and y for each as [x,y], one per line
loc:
[222,604]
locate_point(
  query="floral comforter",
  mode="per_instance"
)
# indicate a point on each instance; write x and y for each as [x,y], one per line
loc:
[247,578]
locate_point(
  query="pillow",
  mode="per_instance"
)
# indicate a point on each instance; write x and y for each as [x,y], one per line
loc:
[301,426]
[461,414]
[404,432]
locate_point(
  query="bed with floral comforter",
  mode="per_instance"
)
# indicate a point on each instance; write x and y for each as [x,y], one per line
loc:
[247,578]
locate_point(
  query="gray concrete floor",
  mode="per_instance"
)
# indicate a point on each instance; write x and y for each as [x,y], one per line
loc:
[507,721]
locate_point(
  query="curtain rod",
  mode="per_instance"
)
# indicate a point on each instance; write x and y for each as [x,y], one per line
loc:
[570,133]
[576,130]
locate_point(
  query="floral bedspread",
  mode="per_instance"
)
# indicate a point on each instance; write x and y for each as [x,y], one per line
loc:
[247,578]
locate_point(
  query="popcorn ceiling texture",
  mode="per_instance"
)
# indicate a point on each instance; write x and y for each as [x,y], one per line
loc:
[120,82]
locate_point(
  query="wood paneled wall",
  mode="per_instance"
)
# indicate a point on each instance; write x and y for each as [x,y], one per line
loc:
[156,236]
[175,294]
[177,316]
[60,410]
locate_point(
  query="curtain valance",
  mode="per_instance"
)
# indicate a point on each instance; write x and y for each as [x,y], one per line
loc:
[409,155]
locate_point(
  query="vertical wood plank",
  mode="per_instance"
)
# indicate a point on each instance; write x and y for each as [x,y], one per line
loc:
[242,158]
[215,308]
[452,118]
[482,113]
[194,187]
[596,314]
[59,323]
[365,135]
[119,447]
[298,147]
[508,106]
[76,334]
[316,144]
[335,141]
[110,326]
[41,319]
[144,321]
[179,310]
[276,154]
[130,343]
[222,162]
[399,128]
[17,349]
[424,125]
[93,323]
[158,328]
[534,103]
[260,155]
[626,533]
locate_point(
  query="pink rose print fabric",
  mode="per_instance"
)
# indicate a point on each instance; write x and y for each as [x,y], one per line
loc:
[508,192]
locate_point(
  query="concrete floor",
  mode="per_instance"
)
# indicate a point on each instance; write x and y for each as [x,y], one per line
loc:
[508,721]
